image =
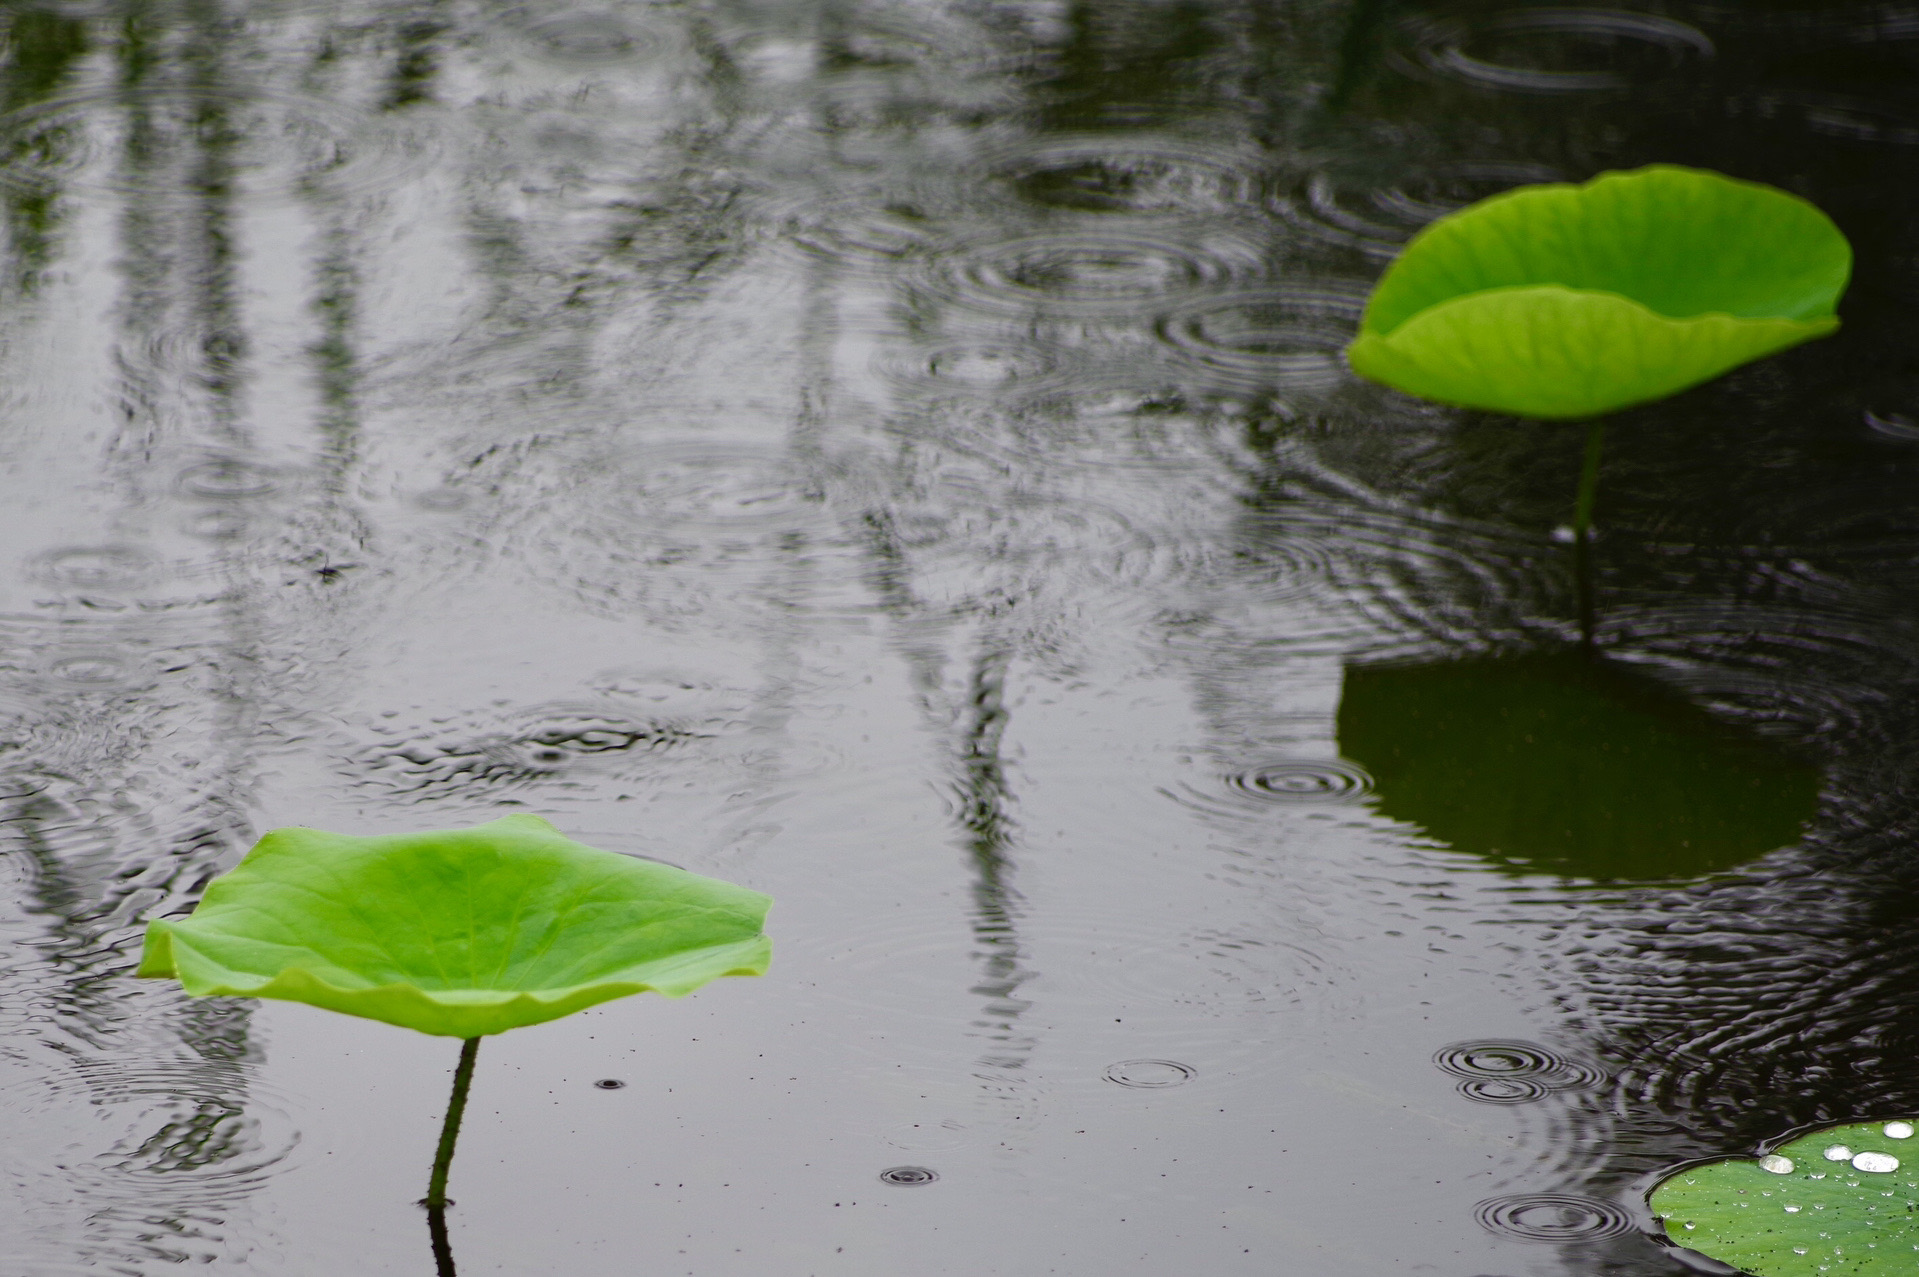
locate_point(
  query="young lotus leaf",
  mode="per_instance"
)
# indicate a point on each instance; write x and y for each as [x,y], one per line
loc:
[1842,1202]
[1563,301]
[459,932]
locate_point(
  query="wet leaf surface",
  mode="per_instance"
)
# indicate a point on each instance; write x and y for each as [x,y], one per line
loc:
[1843,1200]
[1575,301]
[457,932]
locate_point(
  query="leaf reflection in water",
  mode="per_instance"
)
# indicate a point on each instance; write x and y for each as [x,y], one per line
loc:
[1557,764]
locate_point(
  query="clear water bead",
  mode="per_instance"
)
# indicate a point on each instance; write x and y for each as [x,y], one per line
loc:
[1792,1210]
[1798,1250]
[1878,1163]
[1776,1164]
[1898,1130]
[1838,1153]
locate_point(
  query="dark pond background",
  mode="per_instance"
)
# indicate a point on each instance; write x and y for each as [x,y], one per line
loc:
[897,456]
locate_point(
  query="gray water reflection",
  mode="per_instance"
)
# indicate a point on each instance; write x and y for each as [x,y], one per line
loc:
[899,458]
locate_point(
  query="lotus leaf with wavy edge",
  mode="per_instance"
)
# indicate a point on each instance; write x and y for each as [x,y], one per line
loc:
[461,932]
[1562,301]
[1844,1202]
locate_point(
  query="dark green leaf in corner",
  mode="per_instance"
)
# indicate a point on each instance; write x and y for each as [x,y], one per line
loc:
[459,932]
[1840,1202]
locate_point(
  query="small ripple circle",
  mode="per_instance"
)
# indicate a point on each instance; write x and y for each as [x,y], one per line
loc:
[1493,1058]
[1150,1074]
[1554,50]
[97,567]
[1502,1060]
[93,668]
[1290,334]
[1504,1090]
[1304,781]
[1096,173]
[970,368]
[1378,220]
[1086,272]
[908,1176]
[1552,1217]
[228,479]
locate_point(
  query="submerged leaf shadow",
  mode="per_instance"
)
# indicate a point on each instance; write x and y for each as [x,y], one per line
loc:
[1559,764]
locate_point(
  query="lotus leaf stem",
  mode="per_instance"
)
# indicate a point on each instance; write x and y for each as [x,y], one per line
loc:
[442,1247]
[1582,531]
[450,1132]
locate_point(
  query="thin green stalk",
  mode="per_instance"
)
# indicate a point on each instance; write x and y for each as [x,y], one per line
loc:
[450,1132]
[1582,532]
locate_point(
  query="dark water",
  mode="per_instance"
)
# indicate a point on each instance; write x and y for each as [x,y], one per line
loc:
[897,456]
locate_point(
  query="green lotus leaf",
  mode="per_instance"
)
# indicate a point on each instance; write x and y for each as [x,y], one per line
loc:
[1563,301]
[1842,1202]
[461,932]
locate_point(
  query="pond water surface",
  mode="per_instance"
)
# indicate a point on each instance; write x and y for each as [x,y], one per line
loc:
[897,456]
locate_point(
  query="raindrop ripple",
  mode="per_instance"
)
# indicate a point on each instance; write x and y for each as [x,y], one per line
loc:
[1610,50]
[1552,1217]
[1303,781]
